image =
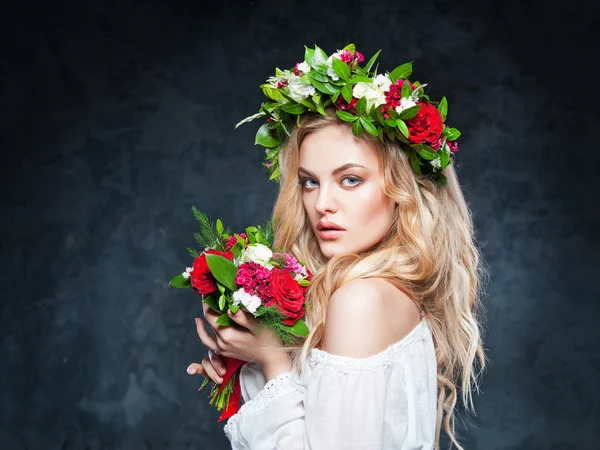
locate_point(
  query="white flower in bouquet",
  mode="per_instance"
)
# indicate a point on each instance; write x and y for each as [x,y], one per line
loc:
[256,253]
[251,302]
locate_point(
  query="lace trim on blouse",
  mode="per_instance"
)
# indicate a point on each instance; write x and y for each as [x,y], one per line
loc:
[274,389]
[382,359]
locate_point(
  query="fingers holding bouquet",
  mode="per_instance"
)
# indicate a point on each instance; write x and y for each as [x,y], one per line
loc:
[253,299]
[213,367]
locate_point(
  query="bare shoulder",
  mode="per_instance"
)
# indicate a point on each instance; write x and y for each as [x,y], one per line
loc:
[365,316]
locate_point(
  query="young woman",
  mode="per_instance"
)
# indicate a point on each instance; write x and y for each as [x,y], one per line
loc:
[394,307]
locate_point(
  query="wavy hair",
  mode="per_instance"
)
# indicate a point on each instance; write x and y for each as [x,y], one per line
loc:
[429,252]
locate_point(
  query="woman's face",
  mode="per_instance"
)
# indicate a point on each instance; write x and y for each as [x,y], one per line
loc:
[335,188]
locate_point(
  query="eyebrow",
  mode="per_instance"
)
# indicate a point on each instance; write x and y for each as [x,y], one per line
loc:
[335,172]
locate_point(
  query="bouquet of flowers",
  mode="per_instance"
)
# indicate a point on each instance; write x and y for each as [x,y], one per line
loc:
[242,271]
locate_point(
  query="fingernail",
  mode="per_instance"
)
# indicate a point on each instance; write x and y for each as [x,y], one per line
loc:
[189,370]
[219,380]
[197,321]
[221,372]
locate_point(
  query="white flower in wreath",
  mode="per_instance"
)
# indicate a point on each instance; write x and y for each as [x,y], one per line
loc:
[187,272]
[330,69]
[374,91]
[298,89]
[405,103]
[436,163]
[304,67]
[251,302]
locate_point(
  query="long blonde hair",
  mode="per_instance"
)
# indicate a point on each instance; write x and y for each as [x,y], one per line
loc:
[429,253]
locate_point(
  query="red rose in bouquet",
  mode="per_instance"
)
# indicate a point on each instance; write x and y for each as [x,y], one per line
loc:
[202,279]
[288,295]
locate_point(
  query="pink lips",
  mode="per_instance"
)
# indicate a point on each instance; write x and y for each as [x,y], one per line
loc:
[329,230]
[331,234]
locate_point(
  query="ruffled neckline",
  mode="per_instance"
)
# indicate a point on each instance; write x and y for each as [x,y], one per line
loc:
[381,359]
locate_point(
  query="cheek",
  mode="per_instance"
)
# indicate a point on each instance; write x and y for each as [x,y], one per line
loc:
[373,211]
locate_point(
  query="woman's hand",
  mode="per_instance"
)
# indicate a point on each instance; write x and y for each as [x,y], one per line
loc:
[242,341]
[213,366]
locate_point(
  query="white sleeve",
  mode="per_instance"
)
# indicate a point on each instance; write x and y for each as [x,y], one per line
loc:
[384,401]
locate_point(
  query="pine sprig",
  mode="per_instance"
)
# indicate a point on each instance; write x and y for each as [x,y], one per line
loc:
[271,318]
[267,232]
[208,236]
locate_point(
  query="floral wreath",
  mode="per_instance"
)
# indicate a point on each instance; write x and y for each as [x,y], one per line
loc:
[383,105]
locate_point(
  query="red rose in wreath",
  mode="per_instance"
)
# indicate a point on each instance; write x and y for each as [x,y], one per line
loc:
[426,126]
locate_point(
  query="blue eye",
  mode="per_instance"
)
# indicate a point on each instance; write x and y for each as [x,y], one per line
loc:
[304,180]
[353,179]
[356,181]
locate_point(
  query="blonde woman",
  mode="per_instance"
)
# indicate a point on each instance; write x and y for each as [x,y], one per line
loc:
[394,306]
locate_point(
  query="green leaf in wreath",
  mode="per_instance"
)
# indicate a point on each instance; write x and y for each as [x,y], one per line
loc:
[219,226]
[361,106]
[372,61]
[443,107]
[264,137]
[360,78]
[293,108]
[345,116]
[321,52]
[350,47]
[371,129]
[414,162]
[347,92]
[451,134]
[222,269]
[308,55]
[401,72]
[222,302]
[409,113]
[357,128]
[325,88]
[406,90]
[316,76]
[444,157]
[341,69]
[402,127]
[426,154]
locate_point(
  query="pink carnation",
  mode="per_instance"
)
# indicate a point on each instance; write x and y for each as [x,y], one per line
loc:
[393,96]
[256,280]
[233,240]
[350,58]
[453,146]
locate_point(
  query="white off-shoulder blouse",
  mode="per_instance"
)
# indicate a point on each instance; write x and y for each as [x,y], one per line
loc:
[385,401]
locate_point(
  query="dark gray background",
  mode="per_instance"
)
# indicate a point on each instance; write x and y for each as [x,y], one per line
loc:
[117,117]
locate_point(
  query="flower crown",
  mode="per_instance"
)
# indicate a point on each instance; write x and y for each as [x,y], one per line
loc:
[383,105]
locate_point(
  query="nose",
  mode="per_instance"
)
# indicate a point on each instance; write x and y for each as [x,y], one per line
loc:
[325,203]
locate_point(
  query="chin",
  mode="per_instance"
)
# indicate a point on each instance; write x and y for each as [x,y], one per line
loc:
[331,249]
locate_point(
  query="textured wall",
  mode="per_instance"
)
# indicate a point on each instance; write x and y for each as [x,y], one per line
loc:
[117,117]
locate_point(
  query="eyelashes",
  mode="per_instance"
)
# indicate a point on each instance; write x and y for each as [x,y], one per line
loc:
[358,181]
